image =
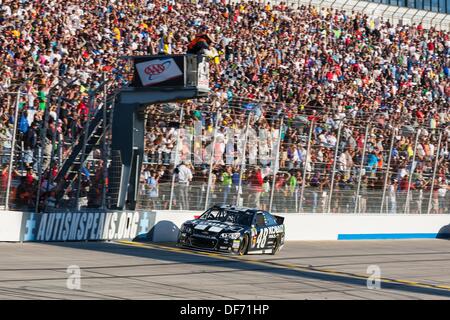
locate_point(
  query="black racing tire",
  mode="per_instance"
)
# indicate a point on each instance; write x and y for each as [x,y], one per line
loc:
[243,248]
[276,246]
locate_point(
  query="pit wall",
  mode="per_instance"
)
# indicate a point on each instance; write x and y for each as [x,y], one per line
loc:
[75,226]
[163,226]
[331,226]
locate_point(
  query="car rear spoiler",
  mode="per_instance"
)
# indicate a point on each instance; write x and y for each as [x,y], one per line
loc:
[279,219]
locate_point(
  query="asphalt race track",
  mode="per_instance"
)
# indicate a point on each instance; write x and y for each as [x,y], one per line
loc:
[410,269]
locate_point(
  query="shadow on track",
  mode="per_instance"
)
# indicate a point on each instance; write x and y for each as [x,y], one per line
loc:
[239,265]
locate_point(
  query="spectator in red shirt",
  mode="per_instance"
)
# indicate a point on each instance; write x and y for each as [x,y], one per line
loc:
[29,178]
[255,182]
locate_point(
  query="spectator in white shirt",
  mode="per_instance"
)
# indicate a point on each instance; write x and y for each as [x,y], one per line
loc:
[184,174]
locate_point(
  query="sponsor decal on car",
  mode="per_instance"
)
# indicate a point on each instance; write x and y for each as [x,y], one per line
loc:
[275,229]
[254,234]
[215,229]
[201,227]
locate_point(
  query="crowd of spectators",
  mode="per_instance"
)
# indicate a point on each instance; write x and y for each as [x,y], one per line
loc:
[286,72]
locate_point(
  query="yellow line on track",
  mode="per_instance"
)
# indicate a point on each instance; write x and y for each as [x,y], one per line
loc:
[275,264]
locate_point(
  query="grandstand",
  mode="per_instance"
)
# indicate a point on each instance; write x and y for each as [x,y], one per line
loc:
[337,109]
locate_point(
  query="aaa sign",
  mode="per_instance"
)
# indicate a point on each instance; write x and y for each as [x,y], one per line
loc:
[156,71]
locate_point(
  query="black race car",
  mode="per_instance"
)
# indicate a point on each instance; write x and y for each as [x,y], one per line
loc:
[234,229]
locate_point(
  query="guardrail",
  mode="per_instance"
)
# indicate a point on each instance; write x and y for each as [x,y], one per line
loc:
[164,226]
[394,14]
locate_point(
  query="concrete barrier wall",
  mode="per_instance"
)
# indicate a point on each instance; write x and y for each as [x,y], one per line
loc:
[364,227]
[163,226]
[329,226]
[10,225]
[75,226]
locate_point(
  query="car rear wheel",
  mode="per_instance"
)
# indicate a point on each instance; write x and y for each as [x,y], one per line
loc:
[243,248]
[276,246]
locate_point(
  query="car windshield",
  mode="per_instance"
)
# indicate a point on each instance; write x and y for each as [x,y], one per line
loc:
[231,216]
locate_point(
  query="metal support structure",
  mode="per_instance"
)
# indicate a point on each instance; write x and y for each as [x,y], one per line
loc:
[52,154]
[177,150]
[109,153]
[241,173]
[361,166]
[104,143]
[386,177]
[276,165]
[333,174]
[83,152]
[211,160]
[13,146]
[411,172]
[86,137]
[308,151]
[436,163]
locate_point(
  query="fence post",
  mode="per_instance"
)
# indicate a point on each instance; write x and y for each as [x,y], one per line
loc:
[436,162]
[333,173]
[52,152]
[361,166]
[43,138]
[177,147]
[411,172]
[243,160]
[104,143]
[211,160]
[276,165]
[13,146]
[308,151]
[387,170]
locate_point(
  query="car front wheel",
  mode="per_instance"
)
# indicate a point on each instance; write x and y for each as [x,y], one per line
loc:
[243,248]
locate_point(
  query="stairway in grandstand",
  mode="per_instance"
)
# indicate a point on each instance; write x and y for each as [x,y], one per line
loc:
[80,151]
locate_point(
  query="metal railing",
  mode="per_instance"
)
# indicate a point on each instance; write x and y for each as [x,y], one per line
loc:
[394,168]
[27,172]
[394,14]
[406,172]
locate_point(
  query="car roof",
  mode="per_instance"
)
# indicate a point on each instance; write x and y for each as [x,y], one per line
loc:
[228,207]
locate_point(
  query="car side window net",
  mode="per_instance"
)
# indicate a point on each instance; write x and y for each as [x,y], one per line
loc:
[260,221]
